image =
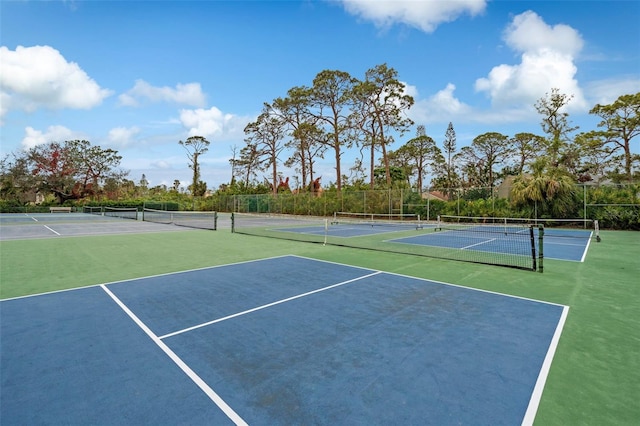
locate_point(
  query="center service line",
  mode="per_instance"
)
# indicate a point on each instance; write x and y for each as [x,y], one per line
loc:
[180,363]
[477,244]
[268,305]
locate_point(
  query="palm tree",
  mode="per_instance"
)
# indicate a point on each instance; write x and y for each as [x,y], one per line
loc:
[548,190]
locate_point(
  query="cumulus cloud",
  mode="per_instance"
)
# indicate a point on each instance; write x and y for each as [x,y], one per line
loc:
[186,94]
[423,15]
[40,77]
[447,103]
[35,137]
[444,106]
[529,33]
[440,107]
[547,61]
[213,123]
[122,136]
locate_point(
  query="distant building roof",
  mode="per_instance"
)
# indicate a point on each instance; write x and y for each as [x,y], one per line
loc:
[434,195]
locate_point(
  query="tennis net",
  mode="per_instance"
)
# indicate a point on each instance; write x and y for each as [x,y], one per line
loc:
[200,220]
[561,228]
[515,248]
[97,210]
[376,219]
[122,212]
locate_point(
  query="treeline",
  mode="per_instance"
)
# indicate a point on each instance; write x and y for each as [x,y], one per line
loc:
[614,206]
[337,114]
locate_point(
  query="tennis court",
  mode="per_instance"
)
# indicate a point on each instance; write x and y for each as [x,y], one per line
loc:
[190,326]
[571,245]
[284,340]
[17,226]
[515,245]
[353,229]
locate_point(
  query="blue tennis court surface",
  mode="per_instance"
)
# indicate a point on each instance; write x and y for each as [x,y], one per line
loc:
[559,244]
[284,340]
[18,226]
[350,230]
[569,245]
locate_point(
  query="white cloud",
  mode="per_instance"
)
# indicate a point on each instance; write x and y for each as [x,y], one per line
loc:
[213,123]
[161,164]
[4,105]
[122,136]
[421,14]
[35,137]
[547,61]
[187,94]
[606,92]
[40,77]
[444,106]
[528,32]
[446,102]
[203,122]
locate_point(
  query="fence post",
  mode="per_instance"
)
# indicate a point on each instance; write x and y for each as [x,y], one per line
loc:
[584,203]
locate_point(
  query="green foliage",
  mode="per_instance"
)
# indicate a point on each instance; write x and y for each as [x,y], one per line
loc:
[616,207]
[195,147]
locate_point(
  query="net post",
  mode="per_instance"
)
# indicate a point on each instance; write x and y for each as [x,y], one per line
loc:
[533,248]
[326,231]
[596,227]
[540,248]
[233,222]
[215,221]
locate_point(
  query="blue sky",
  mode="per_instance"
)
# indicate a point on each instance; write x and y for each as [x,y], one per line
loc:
[139,76]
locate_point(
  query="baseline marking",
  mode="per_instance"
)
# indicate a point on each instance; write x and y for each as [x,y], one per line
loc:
[57,233]
[268,305]
[180,363]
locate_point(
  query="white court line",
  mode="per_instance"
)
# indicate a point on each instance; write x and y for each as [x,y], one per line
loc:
[160,275]
[586,249]
[534,402]
[183,366]
[268,305]
[477,244]
[57,233]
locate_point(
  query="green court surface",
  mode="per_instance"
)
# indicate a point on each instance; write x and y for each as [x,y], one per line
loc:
[596,369]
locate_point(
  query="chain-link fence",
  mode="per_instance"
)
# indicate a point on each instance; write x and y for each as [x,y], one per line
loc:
[614,206]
